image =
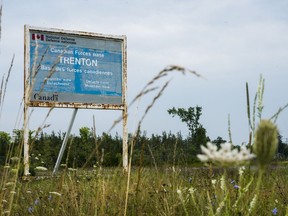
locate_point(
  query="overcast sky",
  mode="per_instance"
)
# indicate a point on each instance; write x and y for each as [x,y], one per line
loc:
[228,42]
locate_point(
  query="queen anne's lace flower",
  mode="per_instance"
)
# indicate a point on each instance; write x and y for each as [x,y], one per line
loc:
[225,155]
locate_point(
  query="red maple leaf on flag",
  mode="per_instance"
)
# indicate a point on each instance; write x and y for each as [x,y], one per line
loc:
[37,37]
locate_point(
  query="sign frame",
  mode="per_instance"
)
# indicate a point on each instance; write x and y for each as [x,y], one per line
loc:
[76,105]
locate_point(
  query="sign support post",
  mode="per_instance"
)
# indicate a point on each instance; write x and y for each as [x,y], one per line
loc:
[125,140]
[26,140]
[60,155]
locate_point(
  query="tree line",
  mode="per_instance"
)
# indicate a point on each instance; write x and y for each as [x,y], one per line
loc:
[106,150]
[87,149]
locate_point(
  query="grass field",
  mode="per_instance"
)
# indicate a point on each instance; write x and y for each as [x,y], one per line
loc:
[166,191]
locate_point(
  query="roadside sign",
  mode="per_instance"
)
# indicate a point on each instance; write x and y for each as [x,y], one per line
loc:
[75,69]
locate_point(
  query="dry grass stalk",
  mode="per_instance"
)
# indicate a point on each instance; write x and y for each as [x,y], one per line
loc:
[148,88]
[19,115]
[5,85]
[276,115]
[96,149]
[1,88]
[40,128]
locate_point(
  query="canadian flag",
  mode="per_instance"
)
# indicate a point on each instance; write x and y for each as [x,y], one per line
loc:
[37,37]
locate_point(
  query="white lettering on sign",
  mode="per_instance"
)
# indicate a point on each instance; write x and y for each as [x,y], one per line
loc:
[60,51]
[82,53]
[79,61]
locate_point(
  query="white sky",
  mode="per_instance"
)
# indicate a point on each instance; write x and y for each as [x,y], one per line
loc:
[228,42]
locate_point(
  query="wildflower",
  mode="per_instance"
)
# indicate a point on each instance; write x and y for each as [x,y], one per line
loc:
[236,186]
[30,209]
[191,190]
[55,193]
[180,195]
[245,154]
[41,168]
[203,158]
[274,211]
[213,181]
[222,183]
[9,183]
[241,170]
[266,142]
[37,201]
[225,155]
[253,203]
[220,207]
[232,182]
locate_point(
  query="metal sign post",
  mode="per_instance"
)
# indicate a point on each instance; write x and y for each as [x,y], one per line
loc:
[60,155]
[26,106]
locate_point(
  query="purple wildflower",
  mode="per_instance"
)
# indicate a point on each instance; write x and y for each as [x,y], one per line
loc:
[236,186]
[30,209]
[274,211]
[49,197]
[37,201]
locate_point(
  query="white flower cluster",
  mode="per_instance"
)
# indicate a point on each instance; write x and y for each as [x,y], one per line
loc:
[225,155]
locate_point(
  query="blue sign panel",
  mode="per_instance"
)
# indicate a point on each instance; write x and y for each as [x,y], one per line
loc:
[71,68]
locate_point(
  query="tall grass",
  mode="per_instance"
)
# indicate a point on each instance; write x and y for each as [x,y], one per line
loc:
[169,192]
[210,190]
[3,87]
